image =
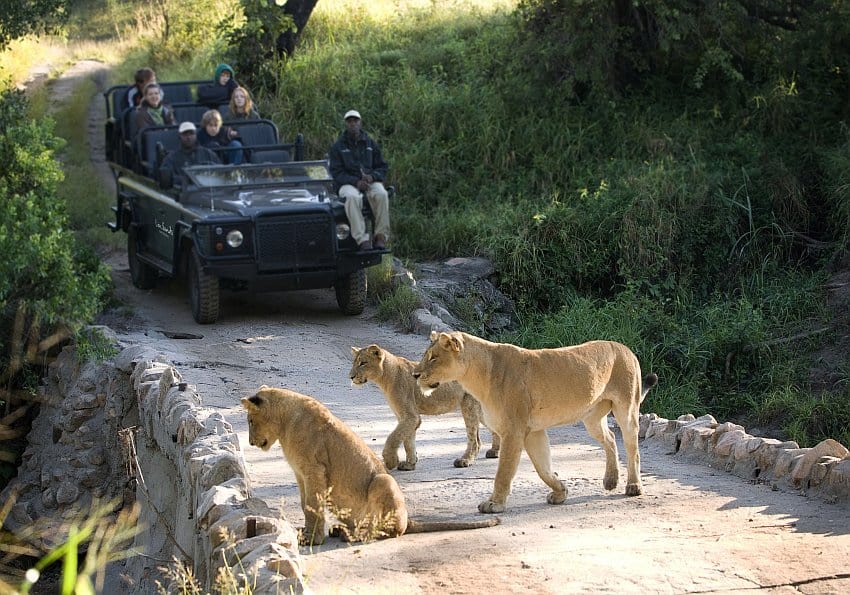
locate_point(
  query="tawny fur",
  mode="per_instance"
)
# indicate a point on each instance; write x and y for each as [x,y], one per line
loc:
[525,391]
[330,460]
[394,376]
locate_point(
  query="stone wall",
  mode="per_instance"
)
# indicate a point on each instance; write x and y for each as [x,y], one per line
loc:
[131,429]
[71,459]
[194,489]
[822,471]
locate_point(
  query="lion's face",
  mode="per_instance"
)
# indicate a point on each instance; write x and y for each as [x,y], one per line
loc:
[260,432]
[440,363]
[367,365]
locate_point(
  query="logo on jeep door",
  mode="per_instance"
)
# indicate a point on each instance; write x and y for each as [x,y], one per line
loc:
[163,228]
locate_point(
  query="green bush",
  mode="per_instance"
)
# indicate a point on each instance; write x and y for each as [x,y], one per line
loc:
[48,284]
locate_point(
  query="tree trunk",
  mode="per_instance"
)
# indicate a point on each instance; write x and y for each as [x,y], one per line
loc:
[300,10]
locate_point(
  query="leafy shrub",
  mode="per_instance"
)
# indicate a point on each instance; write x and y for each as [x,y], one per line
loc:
[48,285]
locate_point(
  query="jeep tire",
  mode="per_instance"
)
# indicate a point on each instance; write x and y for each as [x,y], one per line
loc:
[351,292]
[203,291]
[143,275]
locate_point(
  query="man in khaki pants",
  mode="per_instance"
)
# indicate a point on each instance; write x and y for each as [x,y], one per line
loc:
[358,168]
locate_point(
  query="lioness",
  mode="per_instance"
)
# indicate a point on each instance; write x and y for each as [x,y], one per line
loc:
[394,376]
[525,391]
[329,459]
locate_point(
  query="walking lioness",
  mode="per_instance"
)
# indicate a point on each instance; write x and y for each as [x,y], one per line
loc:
[394,376]
[524,391]
[333,466]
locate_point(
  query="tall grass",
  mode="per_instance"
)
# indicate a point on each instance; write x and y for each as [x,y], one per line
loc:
[668,218]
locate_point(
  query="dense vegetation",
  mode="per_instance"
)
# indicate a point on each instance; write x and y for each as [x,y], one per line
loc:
[668,174]
[672,176]
[49,283]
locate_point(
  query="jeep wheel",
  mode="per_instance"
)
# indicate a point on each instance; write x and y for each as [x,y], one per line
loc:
[143,275]
[351,292]
[203,291]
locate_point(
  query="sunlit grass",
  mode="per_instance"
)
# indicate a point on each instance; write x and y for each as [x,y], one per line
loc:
[20,59]
[386,10]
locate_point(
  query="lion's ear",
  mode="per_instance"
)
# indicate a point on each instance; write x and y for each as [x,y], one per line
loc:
[374,350]
[354,351]
[257,400]
[434,335]
[452,342]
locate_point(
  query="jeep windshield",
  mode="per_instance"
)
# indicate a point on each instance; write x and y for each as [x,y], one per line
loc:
[293,173]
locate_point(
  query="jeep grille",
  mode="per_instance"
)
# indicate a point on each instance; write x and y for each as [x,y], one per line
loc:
[295,243]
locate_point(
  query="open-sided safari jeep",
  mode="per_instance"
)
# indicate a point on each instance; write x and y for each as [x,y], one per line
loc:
[269,224]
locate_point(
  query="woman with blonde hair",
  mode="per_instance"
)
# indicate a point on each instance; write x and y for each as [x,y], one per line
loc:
[241,106]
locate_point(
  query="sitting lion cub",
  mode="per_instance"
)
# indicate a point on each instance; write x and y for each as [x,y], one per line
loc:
[394,375]
[524,391]
[330,460]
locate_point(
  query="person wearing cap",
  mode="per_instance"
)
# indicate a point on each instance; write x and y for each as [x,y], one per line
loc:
[189,153]
[359,169]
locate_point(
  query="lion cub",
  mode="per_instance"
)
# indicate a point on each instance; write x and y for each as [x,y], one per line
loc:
[333,465]
[394,376]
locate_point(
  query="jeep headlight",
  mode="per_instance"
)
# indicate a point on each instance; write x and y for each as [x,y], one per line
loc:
[234,238]
[342,231]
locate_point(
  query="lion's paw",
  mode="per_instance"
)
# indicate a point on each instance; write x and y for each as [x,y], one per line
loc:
[462,462]
[633,489]
[556,497]
[492,453]
[390,461]
[405,466]
[305,538]
[490,507]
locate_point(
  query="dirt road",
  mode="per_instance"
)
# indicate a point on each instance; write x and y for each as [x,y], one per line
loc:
[695,529]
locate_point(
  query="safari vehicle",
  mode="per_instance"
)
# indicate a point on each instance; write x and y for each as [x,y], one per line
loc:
[272,223]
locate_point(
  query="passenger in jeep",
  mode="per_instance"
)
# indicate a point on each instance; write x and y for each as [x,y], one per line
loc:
[134,95]
[359,169]
[190,153]
[219,92]
[241,106]
[214,135]
[152,111]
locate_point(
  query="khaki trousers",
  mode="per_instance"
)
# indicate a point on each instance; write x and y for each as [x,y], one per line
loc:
[379,201]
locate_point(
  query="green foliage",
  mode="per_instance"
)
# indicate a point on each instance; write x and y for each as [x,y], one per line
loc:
[18,19]
[48,285]
[101,532]
[398,305]
[723,357]
[93,345]
[253,42]
[186,28]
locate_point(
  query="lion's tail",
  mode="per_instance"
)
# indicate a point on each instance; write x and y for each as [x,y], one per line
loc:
[414,526]
[648,382]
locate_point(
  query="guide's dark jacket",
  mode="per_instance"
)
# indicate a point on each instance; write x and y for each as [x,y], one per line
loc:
[350,159]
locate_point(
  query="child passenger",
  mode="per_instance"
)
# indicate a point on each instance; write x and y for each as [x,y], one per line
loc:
[214,135]
[241,106]
[219,92]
